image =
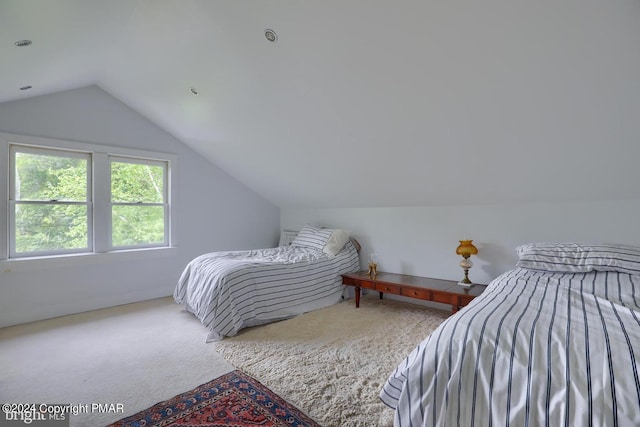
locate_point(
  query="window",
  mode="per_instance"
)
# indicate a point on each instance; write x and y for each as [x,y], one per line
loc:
[67,198]
[50,195]
[138,203]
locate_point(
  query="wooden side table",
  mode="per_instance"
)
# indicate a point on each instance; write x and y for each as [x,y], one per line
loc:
[423,288]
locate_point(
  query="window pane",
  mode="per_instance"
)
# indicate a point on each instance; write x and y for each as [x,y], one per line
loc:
[47,177]
[137,225]
[50,227]
[135,182]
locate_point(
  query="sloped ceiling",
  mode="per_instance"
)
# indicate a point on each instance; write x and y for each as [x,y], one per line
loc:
[362,103]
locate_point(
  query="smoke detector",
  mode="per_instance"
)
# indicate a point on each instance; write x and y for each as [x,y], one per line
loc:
[271,35]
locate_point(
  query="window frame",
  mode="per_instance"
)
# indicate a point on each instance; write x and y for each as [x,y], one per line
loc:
[165,205]
[101,251]
[13,202]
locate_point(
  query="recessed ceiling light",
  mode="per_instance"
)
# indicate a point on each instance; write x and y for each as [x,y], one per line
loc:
[26,87]
[271,35]
[193,90]
[23,43]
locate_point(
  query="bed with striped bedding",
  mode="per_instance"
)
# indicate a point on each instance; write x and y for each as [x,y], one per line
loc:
[232,290]
[536,348]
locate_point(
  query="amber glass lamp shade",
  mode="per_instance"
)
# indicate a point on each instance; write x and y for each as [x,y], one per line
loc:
[466,248]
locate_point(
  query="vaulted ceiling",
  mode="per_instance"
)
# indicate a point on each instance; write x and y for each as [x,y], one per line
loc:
[362,102]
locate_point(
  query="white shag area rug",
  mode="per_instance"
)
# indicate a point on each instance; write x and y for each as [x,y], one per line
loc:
[332,363]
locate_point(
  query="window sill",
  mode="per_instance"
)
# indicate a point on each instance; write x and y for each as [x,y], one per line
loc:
[72,260]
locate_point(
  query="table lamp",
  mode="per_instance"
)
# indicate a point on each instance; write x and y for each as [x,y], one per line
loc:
[466,249]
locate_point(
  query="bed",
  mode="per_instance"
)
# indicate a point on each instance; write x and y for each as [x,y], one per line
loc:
[232,290]
[553,342]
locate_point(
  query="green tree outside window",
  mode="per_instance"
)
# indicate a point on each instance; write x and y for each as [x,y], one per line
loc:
[137,203]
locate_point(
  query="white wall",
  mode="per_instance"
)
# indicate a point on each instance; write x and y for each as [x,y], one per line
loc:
[215,212]
[422,240]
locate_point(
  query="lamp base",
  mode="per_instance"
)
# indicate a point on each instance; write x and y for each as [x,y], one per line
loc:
[465,283]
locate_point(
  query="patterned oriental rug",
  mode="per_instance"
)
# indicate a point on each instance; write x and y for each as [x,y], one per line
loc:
[234,399]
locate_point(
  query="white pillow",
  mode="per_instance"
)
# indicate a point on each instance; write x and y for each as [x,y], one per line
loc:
[312,237]
[578,257]
[565,257]
[336,242]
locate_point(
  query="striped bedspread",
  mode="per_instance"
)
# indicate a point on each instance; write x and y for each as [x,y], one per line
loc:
[232,290]
[535,349]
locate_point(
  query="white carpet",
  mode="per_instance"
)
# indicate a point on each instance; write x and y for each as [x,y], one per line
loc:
[332,363]
[137,355]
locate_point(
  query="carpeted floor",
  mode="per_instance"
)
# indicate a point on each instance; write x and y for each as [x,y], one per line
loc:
[133,355]
[332,363]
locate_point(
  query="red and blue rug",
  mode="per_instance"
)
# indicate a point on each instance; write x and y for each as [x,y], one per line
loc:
[234,399]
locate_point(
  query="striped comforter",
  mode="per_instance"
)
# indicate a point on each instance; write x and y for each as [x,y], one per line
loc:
[232,290]
[535,349]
